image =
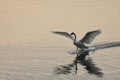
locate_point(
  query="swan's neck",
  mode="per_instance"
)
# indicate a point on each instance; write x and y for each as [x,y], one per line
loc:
[74,37]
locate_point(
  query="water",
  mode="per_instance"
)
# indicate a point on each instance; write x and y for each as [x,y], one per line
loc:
[28,49]
[31,61]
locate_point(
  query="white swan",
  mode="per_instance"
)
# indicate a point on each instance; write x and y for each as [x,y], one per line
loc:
[87,39]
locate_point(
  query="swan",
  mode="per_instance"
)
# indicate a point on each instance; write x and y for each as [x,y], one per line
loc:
[80,44]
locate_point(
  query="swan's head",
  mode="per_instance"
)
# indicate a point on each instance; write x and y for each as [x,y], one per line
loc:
[72,33]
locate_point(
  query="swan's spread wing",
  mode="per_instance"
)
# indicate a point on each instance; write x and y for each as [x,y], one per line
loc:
[63,34]
[97,47]
[89,37]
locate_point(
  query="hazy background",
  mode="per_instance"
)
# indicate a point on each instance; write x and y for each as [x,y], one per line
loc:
[29,51]
[32,20]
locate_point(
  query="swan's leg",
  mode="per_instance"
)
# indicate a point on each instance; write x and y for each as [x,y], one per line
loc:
[77,54]
[75,62]
[77,48]
[76,66]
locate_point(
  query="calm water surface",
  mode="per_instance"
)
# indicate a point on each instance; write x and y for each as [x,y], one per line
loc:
[28,49]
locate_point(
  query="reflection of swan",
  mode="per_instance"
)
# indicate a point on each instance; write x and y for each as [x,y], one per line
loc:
[88,65]
[92,68]
[87,39]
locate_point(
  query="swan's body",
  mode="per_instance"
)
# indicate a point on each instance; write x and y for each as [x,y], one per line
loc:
[78,44]
[87,39]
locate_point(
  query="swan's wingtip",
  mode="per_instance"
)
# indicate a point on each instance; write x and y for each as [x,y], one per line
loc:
[99,30]
[53,31]
[56,31]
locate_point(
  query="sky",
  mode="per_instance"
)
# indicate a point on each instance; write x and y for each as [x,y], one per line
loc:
[24,21]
